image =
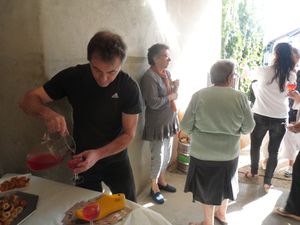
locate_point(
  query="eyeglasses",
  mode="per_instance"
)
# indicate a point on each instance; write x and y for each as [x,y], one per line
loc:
[166,56]
[235,75]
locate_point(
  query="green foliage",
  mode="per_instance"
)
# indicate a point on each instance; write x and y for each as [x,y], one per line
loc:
[242,38]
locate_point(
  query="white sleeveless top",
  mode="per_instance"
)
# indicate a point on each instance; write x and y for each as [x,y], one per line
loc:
[269,100]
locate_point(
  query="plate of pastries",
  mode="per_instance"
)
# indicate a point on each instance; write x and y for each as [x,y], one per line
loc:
[16,206]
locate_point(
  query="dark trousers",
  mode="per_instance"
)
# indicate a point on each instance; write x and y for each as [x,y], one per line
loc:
[293,202]
[117,175]
[276,128]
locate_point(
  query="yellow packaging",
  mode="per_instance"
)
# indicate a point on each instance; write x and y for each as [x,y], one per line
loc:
[108,204]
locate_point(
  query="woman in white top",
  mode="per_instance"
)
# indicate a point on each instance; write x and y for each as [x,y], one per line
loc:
[289,142]
[271,109]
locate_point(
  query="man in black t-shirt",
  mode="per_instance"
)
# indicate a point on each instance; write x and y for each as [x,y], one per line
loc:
[106,103]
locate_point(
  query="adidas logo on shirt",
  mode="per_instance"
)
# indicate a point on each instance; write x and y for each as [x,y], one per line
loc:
[115,95]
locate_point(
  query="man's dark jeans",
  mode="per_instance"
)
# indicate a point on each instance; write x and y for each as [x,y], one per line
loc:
[276,128]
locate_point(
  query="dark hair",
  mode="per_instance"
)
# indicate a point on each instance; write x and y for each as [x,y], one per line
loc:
[221,70]
[107,45]
[283,64]
[154,51]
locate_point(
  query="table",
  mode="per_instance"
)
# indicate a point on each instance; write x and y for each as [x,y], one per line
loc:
[56,198]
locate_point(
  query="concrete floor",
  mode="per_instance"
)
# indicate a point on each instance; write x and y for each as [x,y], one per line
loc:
[252,207]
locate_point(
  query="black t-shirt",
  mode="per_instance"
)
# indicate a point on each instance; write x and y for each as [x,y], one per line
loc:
[97,111]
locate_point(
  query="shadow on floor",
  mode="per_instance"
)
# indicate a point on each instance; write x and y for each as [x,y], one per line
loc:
[252,207]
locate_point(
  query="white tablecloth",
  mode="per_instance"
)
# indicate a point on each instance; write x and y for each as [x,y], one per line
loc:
[56,198]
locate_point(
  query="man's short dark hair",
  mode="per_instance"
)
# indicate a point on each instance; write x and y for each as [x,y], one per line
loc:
[154,51]
[107,46]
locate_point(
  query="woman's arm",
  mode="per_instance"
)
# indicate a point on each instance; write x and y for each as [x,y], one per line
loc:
[296,97]
[248,121]
[188,120]
[149,88]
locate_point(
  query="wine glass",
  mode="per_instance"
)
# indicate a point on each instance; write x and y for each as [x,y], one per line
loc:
[50,152]
[66,143]
[91,211]
[291,86]
[72,164]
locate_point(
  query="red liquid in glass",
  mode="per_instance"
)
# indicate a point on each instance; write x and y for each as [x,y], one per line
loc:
[43,161]
[291,87]
[90,212]
[72,164]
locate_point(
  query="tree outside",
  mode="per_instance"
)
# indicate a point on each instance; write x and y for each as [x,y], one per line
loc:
[242,38]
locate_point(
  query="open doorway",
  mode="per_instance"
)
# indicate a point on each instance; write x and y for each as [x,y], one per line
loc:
[251,29]
[292,37]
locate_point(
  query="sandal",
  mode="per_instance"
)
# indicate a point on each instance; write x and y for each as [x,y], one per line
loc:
[221,221]
[283,212]
[267,187]
[249,175]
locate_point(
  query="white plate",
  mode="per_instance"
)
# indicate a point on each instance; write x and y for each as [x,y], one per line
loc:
[18,178]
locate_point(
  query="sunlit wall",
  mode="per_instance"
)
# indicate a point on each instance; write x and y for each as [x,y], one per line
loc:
[193,31]
[40,38]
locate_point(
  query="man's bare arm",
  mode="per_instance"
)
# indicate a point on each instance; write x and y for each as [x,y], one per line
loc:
[91,156]
[34,103]
[129,122]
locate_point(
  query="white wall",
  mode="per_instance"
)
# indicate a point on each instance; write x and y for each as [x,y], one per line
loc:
[55,33]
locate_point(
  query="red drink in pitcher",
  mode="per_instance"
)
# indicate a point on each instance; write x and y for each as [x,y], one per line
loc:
[43,161]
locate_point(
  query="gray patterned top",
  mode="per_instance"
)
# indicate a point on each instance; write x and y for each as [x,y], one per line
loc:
[160,121]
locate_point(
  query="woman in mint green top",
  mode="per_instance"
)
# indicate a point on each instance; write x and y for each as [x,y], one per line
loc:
[215,119]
